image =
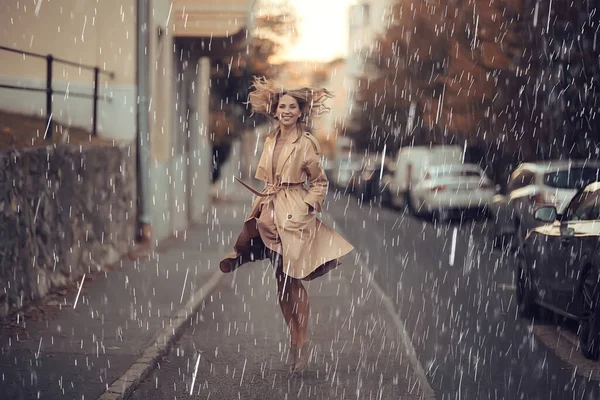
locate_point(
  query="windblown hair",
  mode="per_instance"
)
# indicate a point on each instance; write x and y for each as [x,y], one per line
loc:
[265,95]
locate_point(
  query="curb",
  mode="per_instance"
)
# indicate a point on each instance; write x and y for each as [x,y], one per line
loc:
[411,353]
[164,338]
[144,365]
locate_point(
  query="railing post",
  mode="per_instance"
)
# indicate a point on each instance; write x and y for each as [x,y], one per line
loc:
[95,111]
[49,123]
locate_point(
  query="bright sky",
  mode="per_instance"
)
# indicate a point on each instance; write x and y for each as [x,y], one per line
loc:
[323,30]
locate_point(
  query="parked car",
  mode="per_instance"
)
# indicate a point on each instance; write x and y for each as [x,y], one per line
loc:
[373,171]
[328,167]
[444,189]
[385,183]
[411,163]
[534,184]
[558,266]
[345,173]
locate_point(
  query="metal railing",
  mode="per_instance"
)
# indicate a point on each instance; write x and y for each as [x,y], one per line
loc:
[50,59]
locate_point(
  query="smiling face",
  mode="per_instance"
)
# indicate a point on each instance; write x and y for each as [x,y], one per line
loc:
[288,111]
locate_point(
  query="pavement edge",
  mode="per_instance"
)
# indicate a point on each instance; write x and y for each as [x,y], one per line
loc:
[411,353]
[144,365]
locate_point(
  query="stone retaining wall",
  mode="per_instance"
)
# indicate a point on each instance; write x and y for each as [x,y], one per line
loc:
[64,211]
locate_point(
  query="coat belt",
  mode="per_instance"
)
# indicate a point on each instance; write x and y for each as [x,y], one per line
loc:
[270,189]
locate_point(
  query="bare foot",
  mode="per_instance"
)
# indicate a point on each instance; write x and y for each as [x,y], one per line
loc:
[303,359]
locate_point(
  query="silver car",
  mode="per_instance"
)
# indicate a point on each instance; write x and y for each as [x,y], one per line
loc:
[534,184]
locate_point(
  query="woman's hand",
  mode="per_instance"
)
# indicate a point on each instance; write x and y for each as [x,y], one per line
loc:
[318,180]
[309,208]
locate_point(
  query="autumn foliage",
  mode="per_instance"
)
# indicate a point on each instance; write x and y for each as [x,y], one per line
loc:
[506,76]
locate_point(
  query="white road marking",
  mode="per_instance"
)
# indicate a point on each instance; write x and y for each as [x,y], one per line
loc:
[79,292]
[453,248]
[195,373]
[507,286]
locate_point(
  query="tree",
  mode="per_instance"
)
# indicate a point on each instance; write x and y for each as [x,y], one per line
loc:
[274,26]
[446,72]
[402,76]
[564,72]
[515,78]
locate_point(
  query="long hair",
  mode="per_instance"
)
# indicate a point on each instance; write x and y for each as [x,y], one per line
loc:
[265,95]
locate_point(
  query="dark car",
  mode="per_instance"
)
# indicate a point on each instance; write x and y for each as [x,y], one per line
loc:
[559,266]
[532,184]
[369,180]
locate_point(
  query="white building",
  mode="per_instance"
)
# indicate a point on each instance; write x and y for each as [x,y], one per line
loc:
[367,20]
[158,52]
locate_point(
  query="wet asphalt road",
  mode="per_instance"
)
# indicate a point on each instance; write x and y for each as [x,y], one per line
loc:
[459,308]
[457,303]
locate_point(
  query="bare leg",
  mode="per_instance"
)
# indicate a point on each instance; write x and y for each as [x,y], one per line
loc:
[298,297]
[301,310]
[293,300]
[286,305]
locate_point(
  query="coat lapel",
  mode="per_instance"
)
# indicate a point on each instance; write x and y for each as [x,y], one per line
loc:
[266,161]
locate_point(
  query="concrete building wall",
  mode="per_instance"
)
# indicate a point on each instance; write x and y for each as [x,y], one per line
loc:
[103,33]
[70,210]
[367,20]
[209,18]
[181,154]
[181,177]
[93,33]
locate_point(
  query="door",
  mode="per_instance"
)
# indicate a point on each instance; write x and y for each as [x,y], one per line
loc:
[578,237]
[542,247]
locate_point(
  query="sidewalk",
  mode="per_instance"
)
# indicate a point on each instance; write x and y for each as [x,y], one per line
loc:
[125,320]
[121,318]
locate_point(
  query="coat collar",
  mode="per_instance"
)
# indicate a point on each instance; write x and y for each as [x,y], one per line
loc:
[294,137]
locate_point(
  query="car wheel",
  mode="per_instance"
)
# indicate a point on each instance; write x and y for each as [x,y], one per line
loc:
[368,191]
[442,215]
[521,233]
[500,241]
[524,290]
[396,200]
[386,197]
[518,238]
[589,320]
[413,204]
[484,213]
[496,239]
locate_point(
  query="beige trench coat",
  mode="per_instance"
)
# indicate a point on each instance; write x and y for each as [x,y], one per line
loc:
[307,243]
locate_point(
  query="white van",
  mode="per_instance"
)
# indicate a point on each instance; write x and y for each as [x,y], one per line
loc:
[412,163]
